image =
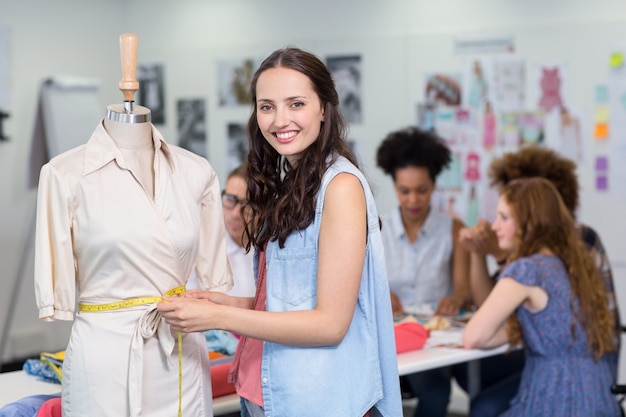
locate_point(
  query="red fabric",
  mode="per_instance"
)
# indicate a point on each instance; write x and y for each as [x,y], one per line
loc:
[245,371]
[410,336]
[219,380]
[51,408]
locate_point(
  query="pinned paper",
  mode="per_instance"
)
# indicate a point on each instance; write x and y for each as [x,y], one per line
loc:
[602,114]
[601,168]
[601,131]
[617,60]
[602,94]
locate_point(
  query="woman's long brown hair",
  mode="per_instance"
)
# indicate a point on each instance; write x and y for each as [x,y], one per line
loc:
[281,197]
[545,223]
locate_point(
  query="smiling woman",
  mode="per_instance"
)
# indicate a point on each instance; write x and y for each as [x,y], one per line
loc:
[321,278]
[289,112]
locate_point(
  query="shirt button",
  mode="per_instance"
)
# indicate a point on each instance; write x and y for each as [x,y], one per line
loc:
[265,382]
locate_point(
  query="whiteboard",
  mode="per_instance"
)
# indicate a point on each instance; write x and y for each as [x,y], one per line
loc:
[68,110]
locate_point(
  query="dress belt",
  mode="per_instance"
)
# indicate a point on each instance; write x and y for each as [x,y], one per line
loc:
[149,323]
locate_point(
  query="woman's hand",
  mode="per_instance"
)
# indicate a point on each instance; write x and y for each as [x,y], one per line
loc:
[190,314]
[396,305]
[449,306]
[479,239]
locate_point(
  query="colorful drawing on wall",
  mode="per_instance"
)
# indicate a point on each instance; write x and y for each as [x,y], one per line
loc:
[472,167]
[426,114]
[472,207]
[571,145]
[489,127]
[443,89]
[531,127]
[237,145]
[151,92]
[234,81]
[477,76]
[346,72]
[509,83]
[450,178]
[191,125]
[602,173]
[550,83]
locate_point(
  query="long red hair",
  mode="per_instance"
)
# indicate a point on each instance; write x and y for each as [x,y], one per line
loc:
[545,223]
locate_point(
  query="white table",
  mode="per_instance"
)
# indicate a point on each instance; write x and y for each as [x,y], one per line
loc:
[19,384]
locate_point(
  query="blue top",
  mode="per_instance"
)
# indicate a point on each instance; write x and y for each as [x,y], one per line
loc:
[560,377]
[361,372]
[419,272]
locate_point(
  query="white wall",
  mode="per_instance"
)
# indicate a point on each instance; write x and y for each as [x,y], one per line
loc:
[399,41]
[70,37]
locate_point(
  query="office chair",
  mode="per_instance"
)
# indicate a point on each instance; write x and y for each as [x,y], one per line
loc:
[619,390]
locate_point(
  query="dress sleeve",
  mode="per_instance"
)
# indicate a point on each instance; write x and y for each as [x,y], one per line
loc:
[524,270]
[212,268]
[55,273]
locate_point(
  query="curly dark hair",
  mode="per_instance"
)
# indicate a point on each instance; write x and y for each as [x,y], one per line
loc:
[412,147]
[545,222]
[535,161]
[281,197]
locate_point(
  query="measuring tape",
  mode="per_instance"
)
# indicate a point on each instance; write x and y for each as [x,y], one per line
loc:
[139,301]
[131,302]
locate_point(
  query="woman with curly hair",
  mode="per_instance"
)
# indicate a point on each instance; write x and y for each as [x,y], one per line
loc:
[500,375]
[318,336]
[552,285]
[425,264]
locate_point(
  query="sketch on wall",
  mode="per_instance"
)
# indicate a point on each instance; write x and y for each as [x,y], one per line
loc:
[237,145]
[346,72]
[191,125]
[234,81]
[152,90]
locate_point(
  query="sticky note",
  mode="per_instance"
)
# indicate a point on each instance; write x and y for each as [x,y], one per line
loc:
[602,163]
[617,60]
[602,94]
[602,114]
[601,131]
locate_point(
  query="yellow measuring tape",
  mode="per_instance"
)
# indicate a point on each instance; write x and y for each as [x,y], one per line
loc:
[133,302]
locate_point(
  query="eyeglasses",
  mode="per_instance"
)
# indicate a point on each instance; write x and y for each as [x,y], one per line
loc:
[230,200]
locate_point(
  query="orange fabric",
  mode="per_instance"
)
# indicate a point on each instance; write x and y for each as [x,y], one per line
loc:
[410,336]
[215,355]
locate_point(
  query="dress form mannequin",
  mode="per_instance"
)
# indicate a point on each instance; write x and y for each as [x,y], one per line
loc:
[106,253]
[129,125]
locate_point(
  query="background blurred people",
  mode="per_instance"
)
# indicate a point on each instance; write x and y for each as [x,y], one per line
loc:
[551,283]
[425,263]
[500,375]
[241,263]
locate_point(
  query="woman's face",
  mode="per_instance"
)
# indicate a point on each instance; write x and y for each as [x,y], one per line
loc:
[505,226]
[289,111]
[235,193]
[414,189]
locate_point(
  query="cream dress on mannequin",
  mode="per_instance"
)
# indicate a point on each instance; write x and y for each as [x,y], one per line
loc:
[118,219]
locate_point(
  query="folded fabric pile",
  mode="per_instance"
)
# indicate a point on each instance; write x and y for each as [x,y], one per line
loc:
[48,367]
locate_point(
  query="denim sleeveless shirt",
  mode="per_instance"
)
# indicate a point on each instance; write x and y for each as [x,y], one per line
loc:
[361,372]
